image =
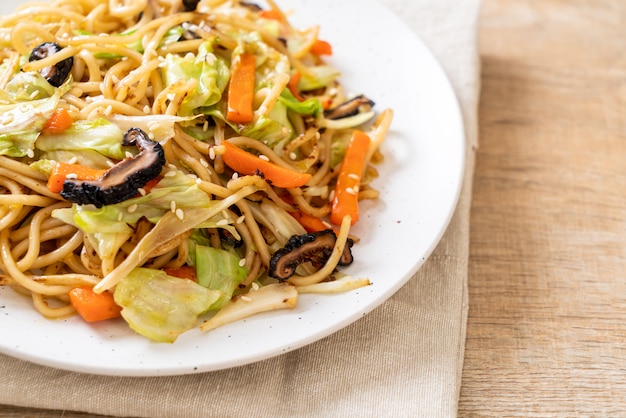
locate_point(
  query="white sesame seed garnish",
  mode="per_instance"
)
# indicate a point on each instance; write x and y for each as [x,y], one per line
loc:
[142,191]
[354,176]
[350,190]
[110,163]
[71,176]
[222,222]
[180,214]
[254,286]
[132,208]
[198,181]
[33,94]
[246,298]
[170,96]
[147,109]
[242,262]
[30,153]
[171,173]
[235,176]
[205,127]
[128,154]
[171,166]
[264,157]
[108,110]
[240,219]
[212,153]
[204,163]
[293,156]
[173,206]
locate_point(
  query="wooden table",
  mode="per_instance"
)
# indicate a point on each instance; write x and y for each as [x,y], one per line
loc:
[547,322]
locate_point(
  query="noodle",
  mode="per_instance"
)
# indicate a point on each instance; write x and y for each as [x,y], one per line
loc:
[130,60]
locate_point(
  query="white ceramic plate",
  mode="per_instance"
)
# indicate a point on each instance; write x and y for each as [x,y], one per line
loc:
[419,183]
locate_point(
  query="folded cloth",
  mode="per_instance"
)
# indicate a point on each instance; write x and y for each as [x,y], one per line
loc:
[415,370]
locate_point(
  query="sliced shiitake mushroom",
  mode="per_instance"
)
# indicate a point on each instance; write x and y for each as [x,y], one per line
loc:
[314,247]
[123,180]
[54,74]
[354,106]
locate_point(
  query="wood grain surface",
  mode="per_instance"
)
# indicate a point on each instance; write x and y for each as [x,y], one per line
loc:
[547,322]
[547,319]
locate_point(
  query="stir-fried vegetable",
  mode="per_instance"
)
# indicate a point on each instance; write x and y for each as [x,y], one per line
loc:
[346,199]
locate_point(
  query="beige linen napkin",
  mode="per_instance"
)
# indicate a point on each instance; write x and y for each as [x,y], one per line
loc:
[415,370]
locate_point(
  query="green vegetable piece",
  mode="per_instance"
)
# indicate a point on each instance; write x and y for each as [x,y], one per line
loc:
[162,307]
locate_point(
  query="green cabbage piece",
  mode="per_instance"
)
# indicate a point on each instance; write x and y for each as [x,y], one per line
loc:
[110,226]
[98,135]
[322,76]
[162,307]
[219,269]
[23,121]
[211,72]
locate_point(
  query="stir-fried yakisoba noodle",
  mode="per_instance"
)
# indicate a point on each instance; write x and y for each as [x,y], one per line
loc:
[176,163]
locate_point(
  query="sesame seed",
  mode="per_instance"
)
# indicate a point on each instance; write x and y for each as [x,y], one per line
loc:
[246,298]
[72,160]
[235,176]
[205,127]
[264,157]
[221,222]
[173,206]
[142,191]
[354,176]
[71,176]
[292,155]
[212,153]
[129,154]
[171,166]
[171,97]
[350,190]
[151,135]
[108,110]
[180,214]
[132,208]
[171,173]
[33,94]
[254,286]
[242,262]
[198,181]
[147,109]
[110,163]
[30,153]
[241,219]
[204,162]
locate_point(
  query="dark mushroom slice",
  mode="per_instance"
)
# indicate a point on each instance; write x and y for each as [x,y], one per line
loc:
[354,106]
[123,180]
[54,74]
[315,247]
[190,5]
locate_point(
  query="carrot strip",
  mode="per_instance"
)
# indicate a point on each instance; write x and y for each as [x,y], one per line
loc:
[183,272]
[62,170]
[346,199]
[249,164]
[320,47]
[94,306]
[309,223]
[272,14]
[241,89]
[293,85]
[60,121]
